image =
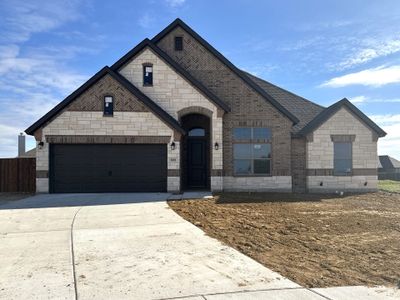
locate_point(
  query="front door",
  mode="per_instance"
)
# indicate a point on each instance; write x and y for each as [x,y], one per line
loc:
[196,162]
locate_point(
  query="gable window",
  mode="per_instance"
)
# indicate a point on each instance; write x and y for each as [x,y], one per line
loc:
[252,151]
[147,75]
[342,161]
[108,106]
[178,43]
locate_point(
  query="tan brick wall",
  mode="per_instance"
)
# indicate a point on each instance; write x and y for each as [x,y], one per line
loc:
[248,107]
[320,154]
[173,93]
[320,149]
[169,90]
[342,183]
[94,123]
[258,184]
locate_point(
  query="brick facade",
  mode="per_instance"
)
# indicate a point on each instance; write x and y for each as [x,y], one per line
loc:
[92,99]
[248,108]
[299,163]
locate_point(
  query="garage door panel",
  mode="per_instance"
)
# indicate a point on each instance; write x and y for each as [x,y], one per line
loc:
[108,168]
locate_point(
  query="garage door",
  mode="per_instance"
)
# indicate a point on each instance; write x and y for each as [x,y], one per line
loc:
[108,168]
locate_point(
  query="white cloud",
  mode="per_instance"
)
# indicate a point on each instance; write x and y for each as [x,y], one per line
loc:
[33,79]
[175,3]
[376,49]
[25,17]
[390,144]
[374,77]
[358,99]
[363,99]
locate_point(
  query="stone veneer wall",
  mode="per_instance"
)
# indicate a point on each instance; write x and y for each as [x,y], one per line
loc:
[248,108]
[320,155]
[84,117]
[258,184]
[173,93]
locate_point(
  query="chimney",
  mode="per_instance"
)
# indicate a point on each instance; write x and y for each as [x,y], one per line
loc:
[21,145]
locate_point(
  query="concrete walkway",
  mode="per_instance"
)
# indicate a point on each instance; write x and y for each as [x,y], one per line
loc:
[130,246]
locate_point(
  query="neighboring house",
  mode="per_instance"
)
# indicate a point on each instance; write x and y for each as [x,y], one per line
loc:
[174,114]
[388,168]
[22,153]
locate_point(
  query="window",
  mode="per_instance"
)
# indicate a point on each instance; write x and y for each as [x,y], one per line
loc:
[343,162]
[197,132]
[108,106]
[252,151]
[178,43]
[248,133]
[147,75]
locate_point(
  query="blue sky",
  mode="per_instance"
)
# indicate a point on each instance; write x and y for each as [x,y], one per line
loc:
[321,50]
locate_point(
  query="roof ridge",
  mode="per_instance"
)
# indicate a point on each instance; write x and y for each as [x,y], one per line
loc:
[226,62]
[285,90]
[197,84]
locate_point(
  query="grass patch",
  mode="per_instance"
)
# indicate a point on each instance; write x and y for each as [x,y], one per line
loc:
[389,186]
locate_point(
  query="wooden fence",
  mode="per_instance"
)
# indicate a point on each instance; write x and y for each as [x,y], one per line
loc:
[18,175]
[389,176]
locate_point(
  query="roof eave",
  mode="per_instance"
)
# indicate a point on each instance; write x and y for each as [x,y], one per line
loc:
[331,110]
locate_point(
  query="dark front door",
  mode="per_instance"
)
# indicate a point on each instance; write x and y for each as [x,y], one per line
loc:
[108,168]
[197,162]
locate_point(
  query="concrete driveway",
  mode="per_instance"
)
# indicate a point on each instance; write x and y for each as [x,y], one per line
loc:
[123,246]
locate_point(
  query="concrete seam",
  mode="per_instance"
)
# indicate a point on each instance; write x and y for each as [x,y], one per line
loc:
[238,292]
[323,296]
[73,254]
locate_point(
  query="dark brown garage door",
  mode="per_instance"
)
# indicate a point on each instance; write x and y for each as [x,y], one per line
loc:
[108,168]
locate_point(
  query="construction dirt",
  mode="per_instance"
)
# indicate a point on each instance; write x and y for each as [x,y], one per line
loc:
[314,240]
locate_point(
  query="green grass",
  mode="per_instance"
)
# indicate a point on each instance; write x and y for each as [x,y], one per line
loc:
[389,186]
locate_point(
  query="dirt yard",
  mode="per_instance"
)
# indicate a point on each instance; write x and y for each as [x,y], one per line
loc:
[315,240]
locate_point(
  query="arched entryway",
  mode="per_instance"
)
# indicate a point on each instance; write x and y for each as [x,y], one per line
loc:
[195,152]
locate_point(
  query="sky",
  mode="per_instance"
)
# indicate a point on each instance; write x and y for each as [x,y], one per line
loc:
[321,50]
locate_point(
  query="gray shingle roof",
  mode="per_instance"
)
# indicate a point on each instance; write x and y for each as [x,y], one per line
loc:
[305,110]
[388,162]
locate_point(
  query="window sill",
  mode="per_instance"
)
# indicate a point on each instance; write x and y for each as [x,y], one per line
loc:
[147,85]
[108,116]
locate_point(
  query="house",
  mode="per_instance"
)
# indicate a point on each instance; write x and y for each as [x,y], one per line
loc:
[174,114]
[22,153]
[388,168]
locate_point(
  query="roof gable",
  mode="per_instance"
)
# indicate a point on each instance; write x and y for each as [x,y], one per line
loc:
[194,82]
[226,62]
[151,105]
[331,110]
[388,162]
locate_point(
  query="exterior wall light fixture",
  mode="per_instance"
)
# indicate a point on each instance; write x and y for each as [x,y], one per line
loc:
[173,146]
[216,146]
[40,145]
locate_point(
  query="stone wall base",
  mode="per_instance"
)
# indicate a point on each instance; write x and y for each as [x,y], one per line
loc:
[328,184]
[258,184]
[42,185]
